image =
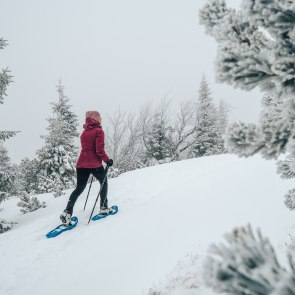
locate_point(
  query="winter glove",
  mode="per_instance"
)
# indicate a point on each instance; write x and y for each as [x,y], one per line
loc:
[110,162]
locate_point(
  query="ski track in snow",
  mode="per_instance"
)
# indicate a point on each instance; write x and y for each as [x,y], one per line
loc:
[164,213]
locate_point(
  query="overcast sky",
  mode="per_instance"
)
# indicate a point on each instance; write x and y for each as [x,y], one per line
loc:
[109,54]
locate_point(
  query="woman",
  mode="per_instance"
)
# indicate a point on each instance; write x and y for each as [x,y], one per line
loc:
[90,162]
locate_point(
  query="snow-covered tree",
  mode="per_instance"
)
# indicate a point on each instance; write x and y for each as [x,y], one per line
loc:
[58,156]
[207,137]
[159,137]
[124,142]
[28,203]
[247,56]
[248,265]
[5,80]
[27,175]
[5,77]
[116,134]
[223,114]
[132,149]
[184,128]
[256,49]
[6,174]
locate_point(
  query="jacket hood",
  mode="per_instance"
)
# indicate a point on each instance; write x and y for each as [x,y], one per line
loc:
[91,123]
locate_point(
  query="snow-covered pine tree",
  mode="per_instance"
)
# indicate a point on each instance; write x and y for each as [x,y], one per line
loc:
[256,49]
[248,265]
[158,139]
[223,114]
[27,175]
[62,109]
[57,157]
[6,174]
[7,181]
[5,80]
[248,57]
[207,137]
[28,203]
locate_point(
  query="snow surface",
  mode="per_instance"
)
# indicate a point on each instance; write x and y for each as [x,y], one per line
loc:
[167,213]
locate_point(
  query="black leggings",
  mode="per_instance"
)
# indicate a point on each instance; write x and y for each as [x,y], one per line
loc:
[82,178]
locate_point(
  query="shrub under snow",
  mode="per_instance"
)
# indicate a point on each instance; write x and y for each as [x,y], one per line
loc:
[29,203]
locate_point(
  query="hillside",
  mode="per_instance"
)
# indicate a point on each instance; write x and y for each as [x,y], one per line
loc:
[165,213]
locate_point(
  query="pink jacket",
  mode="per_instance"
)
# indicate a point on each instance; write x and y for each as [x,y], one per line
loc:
[92,142]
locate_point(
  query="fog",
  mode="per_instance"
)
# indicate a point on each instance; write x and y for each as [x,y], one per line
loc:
[109,54]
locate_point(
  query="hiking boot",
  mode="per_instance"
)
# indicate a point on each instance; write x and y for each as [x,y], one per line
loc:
[65,218]
[105,211]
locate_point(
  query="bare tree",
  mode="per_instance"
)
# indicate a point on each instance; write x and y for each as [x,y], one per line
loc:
[184,126]
[116,133]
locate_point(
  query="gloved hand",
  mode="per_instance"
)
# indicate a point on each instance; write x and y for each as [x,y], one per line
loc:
[110,162]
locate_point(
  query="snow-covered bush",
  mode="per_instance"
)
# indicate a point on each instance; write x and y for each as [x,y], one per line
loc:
[3,196]
[5,225]
[29,203]
[247,264]
[183,279]
[290,199]
[113,172]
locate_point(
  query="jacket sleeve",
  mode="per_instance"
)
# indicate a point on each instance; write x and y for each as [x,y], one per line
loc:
[99,146]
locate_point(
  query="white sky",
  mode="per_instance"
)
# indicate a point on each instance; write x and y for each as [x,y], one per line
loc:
[109,54]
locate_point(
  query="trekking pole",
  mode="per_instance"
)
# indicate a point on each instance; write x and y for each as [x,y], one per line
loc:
[88,193]
[101,187]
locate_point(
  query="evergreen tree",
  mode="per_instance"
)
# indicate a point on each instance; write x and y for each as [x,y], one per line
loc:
[27,175]
[29,203]
[207,138]
[57,157]
[6,174]
[256,49]
[223,112]
[7,181]
[158,140]
[248,58]
[5,80]
[248,265]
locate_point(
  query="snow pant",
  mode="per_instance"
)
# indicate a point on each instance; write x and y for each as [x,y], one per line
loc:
[82,178]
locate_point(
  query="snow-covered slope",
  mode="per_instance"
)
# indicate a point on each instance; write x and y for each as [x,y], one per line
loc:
[165,213]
